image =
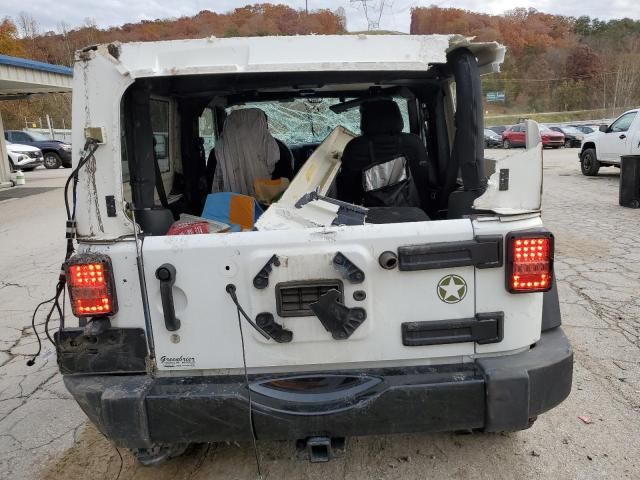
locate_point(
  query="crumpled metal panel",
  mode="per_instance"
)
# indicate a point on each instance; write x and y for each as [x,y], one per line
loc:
[523,169]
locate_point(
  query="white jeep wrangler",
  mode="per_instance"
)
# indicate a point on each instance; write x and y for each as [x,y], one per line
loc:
[397,282]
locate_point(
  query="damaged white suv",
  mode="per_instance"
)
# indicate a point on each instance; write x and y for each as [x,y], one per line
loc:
[393,280]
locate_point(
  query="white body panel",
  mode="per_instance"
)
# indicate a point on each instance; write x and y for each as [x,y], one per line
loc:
[524,172]
[205,264]
[300,53]
[209,323]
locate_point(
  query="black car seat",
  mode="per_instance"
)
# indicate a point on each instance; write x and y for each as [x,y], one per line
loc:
[380,167]
[284,167]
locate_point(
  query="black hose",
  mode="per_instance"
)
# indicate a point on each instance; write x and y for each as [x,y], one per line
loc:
[90,148]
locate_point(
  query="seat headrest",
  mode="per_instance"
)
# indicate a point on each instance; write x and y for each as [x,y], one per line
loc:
[380,117]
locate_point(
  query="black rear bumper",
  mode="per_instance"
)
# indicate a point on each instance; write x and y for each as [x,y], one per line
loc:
[495,394]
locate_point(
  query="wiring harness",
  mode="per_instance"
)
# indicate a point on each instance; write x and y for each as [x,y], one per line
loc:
[90,148]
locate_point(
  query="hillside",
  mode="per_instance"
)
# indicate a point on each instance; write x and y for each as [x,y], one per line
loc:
[554,63]
[59,47]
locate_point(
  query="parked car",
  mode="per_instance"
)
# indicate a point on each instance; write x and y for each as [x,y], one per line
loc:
[321,319]
[515,137]
[586,129]
[56,153]
[23,157]
[491,138]
[572,136]
[499,128]
[605,147]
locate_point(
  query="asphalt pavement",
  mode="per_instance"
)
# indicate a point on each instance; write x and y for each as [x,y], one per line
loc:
[594,434]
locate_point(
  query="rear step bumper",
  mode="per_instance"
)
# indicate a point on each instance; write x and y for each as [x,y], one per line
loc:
[494,394]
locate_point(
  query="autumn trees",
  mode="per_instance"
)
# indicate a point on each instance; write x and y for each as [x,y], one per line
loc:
[9,41]
[259,19]
[553,62]
[24,38]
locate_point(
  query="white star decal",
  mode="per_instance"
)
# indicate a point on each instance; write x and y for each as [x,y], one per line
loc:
[450,289]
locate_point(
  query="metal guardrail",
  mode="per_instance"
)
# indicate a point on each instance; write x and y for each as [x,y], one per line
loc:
[63,135]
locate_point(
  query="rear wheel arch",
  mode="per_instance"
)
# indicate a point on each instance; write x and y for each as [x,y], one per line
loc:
[587,145]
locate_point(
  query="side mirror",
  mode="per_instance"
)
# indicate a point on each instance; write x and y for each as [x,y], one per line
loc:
[604,128]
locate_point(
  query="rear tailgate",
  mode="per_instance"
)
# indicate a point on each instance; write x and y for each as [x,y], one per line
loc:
[209,336]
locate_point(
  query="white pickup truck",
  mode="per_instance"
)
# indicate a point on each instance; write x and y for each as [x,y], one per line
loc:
[604,148]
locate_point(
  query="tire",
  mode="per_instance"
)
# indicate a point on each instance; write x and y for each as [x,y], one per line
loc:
[12,167]
[506,143]
[567,144]
[589,163]
[52,160]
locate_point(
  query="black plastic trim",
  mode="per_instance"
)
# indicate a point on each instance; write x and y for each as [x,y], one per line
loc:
[276,331]
[551,316]
[522,386]
[166,273]
[503,182]
[110,200]
[116,350]
[484,328]
[347,268]
[325,284]
[485,251]
[261,280]
[336,317]
[498,393]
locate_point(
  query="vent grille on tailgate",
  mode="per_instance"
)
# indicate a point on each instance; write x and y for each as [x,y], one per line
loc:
[293,298]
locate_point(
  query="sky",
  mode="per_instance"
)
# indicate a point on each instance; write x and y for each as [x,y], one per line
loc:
[107,13]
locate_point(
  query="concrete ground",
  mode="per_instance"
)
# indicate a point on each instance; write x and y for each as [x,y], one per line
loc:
[44,434]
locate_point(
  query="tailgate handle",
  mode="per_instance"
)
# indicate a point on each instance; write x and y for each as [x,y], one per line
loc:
[483,329]
[167,275]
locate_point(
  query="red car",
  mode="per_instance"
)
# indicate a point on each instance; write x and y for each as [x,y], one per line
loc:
[515,137]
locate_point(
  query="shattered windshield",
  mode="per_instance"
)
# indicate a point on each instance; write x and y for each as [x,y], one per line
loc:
[310,120]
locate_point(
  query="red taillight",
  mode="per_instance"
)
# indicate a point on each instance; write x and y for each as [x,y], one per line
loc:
[529,262]
[91,288]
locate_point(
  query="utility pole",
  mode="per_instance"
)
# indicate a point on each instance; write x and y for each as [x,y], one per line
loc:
[372,10]
[51,132]
[306,6]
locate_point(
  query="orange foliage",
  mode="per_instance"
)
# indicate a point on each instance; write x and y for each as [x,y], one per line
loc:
[251,20]
[9,42]
[522,31]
